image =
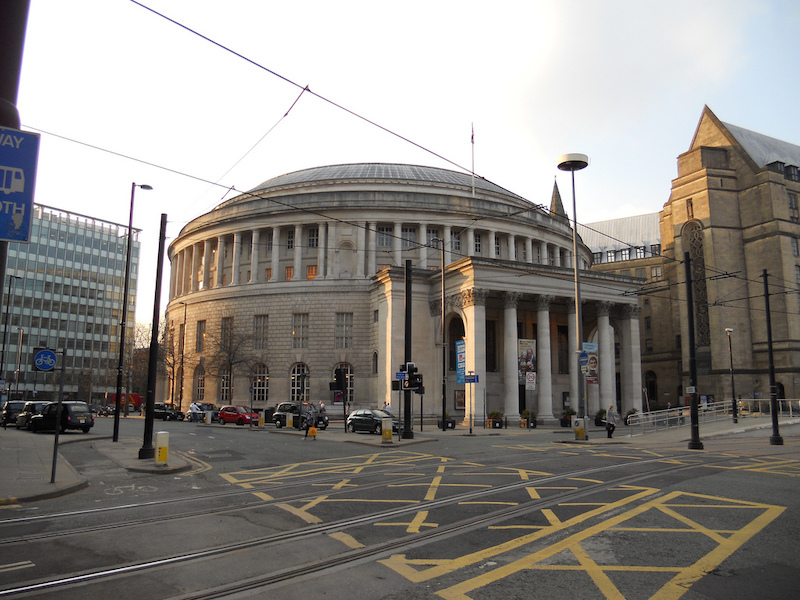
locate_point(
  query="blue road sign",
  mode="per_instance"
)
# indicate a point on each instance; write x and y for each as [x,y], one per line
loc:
[471,379]
[44,360]
[19,154]
[583,359]
[400,375]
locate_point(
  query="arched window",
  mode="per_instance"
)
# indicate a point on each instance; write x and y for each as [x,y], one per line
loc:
[300,385]
[261,383]
[349,378]
[374,363]
[199,384]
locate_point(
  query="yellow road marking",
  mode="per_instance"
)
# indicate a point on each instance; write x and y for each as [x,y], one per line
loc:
[347,539]
[415,525]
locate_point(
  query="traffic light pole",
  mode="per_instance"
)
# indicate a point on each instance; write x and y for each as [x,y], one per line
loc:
[408,434]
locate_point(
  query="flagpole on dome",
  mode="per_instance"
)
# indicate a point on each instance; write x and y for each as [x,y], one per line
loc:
[473,159]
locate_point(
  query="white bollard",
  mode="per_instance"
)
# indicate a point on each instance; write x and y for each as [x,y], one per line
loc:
[162,447]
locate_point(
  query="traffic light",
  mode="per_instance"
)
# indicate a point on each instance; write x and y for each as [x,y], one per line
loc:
[413,378]
[340,379]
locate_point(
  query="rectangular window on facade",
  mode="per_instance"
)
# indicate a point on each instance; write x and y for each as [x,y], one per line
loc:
[611,256]
[625,272]
[409,237]
[311,272]
[226,332]
[375,316]
[268,275]
[625,254]
[655,250]
[201,336]
[497,246]
[290,239]
[795,247]
[641,273]
[430,235]
[597,257]
[797,279]
[269,241]
[655,272]
[225,387]
[289,273]
[477,249]
[794,213]
[455,242]
[648,345]
[648,323]
[313,237]
[639,251]
[260,331]
[384,237]
[343,334]
[300,330]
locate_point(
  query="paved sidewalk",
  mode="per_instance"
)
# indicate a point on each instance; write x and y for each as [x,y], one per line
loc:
[27,458]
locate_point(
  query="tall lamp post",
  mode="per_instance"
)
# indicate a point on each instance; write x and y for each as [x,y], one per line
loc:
[576,162]
[123,321]
[729,331]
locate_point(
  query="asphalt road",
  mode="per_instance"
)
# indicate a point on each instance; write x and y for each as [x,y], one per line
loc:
[268,514]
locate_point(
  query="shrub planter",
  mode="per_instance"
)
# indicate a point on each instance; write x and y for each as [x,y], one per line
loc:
[450,423]
[494,423]
[566,421]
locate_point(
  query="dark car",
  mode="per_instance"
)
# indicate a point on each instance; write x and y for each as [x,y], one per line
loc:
[74,415]
[166,412]
[298,411]
[31,408]
[11,410]
[370,419]
[236,414]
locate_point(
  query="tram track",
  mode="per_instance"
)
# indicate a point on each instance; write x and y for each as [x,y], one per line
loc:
[677,464]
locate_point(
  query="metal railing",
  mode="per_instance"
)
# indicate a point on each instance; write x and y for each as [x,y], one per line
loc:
[661,420]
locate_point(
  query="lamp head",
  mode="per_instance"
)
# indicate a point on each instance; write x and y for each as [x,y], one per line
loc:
[573,162]
[144,186]
[729,330]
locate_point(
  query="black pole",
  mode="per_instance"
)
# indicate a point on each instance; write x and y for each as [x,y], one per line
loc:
[59,410]
[775,439]
[13,23]
[694,443]
[444,352]
[148,450]
[408,433]
[733,383]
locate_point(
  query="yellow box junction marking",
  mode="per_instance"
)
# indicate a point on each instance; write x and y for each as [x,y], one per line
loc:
[686,509]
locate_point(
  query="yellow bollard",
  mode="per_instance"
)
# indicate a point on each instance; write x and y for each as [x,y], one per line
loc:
[162,447]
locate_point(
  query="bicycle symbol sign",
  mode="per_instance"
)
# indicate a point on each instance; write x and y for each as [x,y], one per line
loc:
[45,360]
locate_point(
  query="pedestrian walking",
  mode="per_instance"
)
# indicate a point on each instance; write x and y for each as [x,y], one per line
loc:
[311,423]
[194,412]
[612,418]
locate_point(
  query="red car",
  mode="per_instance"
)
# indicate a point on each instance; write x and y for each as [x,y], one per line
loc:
[236,414]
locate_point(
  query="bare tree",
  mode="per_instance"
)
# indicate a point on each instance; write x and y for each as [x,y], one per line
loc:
[229,352]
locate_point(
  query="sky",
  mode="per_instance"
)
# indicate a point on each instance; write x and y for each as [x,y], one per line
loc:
[121,94]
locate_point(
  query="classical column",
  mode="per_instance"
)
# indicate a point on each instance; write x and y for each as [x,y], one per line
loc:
[179,273]
[207,264]
[448,241]
[254,250]
[543,253]
[397,245]
[372,241]
[331,269]
[470,250]
[424,250]
[220,260]
[605,352]
[512,247]
[195,267]
[473,303]
[544,369]
[237,257]
[492,244]
[529,249]
[298,252]
[276,254]
[631,363]
[323,245]
[511,380]
[556,256]
[361,254]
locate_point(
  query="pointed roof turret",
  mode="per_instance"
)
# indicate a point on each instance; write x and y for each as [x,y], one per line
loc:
[556,206]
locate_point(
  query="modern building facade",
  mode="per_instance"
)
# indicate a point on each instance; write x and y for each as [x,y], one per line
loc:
[64,292]
[733,212]
[275,289]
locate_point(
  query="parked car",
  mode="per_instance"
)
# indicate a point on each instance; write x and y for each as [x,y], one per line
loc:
[298,411]
[209,407]
[11,410]
[31,408]
[370,419]
[166,412]
[240,415]
[74,415]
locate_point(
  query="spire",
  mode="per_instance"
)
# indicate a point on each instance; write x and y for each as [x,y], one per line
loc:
[556,206]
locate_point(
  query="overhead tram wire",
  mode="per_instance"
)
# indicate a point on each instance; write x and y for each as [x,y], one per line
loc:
[304,88]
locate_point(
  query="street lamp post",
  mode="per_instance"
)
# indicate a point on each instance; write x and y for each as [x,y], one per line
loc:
[729,331]
[123,321]
[572,163]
